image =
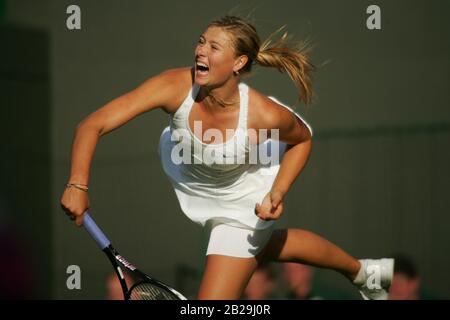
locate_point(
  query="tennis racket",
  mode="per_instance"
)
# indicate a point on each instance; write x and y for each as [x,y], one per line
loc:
[145,287]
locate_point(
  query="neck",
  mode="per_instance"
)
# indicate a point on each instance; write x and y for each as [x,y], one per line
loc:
[223,96]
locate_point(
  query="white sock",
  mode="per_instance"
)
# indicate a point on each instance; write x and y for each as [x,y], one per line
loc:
[361,276]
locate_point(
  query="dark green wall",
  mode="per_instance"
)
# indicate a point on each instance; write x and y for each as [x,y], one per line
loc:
[25,163]
[376,181]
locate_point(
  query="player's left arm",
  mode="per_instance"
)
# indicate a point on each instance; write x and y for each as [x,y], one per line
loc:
[296,134]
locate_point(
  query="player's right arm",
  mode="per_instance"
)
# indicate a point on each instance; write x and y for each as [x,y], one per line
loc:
[163,91]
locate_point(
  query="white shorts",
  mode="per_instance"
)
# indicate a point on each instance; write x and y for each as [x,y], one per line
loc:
[235,241]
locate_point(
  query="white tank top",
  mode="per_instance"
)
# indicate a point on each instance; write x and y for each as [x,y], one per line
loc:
[217,190]
[218,164]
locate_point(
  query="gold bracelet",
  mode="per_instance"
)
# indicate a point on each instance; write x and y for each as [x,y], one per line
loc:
[78,186]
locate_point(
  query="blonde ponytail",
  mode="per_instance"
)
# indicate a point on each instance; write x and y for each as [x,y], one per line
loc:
[283,54]
[290,58]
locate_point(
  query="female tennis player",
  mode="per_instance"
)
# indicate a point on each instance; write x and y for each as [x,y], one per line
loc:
[217,126]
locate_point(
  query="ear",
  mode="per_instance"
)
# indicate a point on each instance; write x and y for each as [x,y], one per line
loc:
[239,63]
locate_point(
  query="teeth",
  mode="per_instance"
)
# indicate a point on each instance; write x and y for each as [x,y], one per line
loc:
[202,64]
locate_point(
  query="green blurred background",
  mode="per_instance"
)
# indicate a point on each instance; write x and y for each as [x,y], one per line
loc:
[377,181]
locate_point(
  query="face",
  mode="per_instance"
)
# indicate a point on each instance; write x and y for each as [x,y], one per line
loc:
[297,274]
[403,288]
[259,287]
[113,289]
[215,58]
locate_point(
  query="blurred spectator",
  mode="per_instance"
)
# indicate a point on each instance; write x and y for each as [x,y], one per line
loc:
[299,279]
[262,283]
[406,281]
[113,287]
[17,276]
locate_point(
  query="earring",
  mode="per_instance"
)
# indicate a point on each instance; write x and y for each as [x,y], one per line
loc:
[236,73]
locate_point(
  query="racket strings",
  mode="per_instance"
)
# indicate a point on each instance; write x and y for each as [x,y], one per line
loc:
[147,291]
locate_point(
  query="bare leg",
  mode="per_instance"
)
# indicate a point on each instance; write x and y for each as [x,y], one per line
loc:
[225,277]
[296,245]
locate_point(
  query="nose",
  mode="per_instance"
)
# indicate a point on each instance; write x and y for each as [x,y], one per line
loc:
[200,51]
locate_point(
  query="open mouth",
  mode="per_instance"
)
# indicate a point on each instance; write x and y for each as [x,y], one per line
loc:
[202,68]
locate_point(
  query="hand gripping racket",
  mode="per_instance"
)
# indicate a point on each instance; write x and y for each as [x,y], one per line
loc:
[145,287]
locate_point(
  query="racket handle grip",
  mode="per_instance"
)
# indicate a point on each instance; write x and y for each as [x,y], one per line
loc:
[95,232]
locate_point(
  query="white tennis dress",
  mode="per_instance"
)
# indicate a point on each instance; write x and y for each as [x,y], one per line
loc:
[219,184]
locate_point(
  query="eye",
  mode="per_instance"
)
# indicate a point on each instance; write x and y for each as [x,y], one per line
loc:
[215,47]
[201,41]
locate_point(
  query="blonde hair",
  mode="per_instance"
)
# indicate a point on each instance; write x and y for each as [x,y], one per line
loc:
[282,54]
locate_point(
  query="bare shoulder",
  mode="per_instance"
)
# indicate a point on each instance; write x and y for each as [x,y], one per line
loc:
[169,88]
[264,113]
[177,75]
